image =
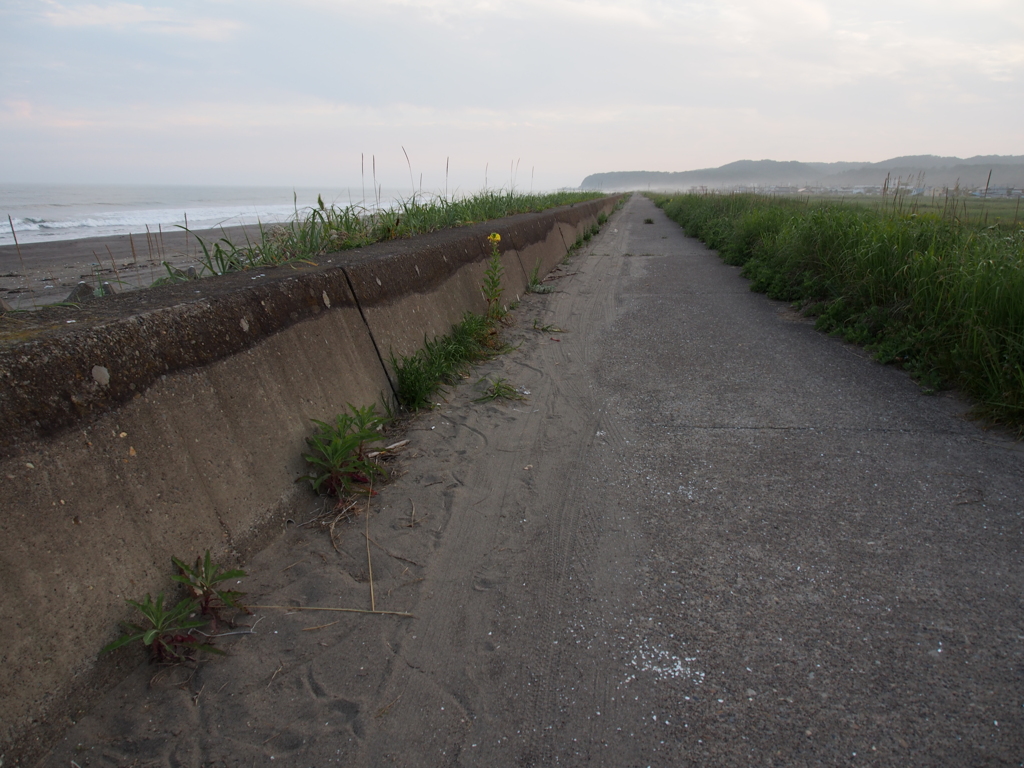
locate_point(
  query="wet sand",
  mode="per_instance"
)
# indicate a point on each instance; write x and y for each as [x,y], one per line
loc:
[45,273]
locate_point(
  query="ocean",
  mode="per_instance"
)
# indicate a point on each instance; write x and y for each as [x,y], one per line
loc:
[49,212]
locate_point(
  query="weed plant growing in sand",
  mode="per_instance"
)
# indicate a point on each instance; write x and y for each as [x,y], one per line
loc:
[938,296]
[167,632]
[498,389]
[330,228]
[535,285]
[203,582]
[170,633]
[338,456]
[492,281]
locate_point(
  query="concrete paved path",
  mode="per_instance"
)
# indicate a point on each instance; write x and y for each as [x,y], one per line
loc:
[711,536]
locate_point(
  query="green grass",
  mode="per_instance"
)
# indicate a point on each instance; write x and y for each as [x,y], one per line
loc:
[966,209]
[932,293]
[329,228]
[443,360]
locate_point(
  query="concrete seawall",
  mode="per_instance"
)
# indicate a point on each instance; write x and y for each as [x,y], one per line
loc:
[173,420]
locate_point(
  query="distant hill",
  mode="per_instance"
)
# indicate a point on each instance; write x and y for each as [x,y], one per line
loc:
[934,171]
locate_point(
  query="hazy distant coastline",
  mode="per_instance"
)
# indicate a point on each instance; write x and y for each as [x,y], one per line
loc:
[924,173]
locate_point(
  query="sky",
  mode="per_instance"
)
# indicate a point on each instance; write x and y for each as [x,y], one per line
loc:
[530,93]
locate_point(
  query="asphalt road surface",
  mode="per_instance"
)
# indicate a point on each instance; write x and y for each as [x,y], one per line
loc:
[708,536]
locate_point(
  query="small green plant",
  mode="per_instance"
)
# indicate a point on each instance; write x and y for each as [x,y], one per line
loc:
[169,632]
[203,582]
[498,389]
[541,328]
[534,276]
[602,219]
[339,461]
[535,285]
[492,281]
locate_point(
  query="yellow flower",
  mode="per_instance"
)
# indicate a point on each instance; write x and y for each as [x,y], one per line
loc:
[494,237]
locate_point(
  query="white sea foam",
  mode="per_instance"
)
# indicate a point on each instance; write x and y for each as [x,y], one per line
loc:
[68,212]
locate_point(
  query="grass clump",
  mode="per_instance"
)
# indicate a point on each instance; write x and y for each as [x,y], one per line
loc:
[329,228]
[934,294]
[444,360]
[498,389]
[535,285]
[540,327]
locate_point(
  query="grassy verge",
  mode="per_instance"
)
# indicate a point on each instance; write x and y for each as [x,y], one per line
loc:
[1005,212]
[328,228]
[940,297]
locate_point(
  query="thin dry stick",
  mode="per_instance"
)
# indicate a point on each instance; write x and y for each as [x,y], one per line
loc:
[113,266]
[387,708]
[388,449]
[369,561]
[334,522]
[149,251]
[280,732]
[20,257]
[279,668]
[389,553]
[337,610]
[319,518]
[188,245]
[412,522]
[320,626]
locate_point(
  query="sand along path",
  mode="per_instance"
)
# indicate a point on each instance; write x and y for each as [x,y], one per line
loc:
[709,536]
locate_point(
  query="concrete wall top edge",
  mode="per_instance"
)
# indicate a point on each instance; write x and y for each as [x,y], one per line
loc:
[385,272]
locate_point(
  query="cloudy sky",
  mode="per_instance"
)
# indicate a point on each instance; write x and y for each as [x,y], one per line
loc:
[293,93]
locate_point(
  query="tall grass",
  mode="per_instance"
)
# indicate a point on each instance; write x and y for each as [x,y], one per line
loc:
[329,228]
[942,298]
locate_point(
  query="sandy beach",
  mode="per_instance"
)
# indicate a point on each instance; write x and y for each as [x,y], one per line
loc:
[36,274]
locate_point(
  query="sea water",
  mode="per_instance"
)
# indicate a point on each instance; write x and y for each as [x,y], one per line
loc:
[47,212]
